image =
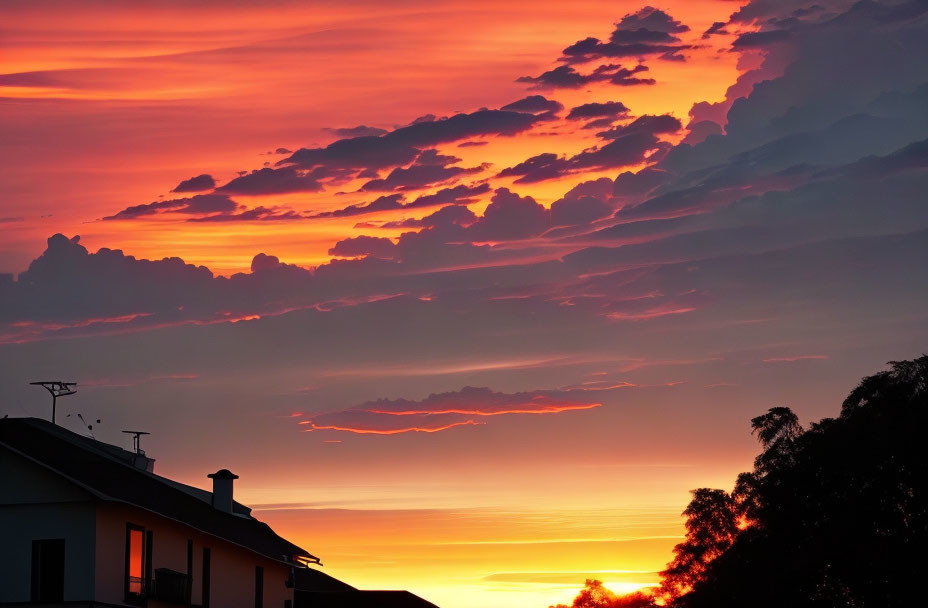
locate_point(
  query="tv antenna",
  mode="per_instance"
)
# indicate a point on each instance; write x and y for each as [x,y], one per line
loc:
[136,440]
[57,389]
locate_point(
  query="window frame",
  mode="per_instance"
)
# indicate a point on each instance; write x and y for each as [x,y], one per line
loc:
[132,597]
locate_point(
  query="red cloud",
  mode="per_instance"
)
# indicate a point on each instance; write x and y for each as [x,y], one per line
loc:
[397,431]
[439,412]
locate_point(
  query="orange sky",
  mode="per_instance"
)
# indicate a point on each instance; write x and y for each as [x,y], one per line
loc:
[138,100]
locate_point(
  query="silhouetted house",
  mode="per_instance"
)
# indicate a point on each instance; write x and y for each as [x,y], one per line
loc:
[85,523]
[315,589]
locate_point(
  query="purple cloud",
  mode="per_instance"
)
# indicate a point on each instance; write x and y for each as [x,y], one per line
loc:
[566,77]
[273,181]
[196,184]
[197,204]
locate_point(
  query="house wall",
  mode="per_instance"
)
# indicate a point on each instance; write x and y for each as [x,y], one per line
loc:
[36,504]
[232,568]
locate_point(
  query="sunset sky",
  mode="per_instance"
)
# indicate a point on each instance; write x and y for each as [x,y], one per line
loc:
[469,294]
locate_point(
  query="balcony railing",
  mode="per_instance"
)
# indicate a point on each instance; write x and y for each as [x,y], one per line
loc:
[170,586]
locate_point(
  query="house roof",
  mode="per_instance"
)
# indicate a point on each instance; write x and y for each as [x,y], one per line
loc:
[359,599]
[310,579]
[105,472]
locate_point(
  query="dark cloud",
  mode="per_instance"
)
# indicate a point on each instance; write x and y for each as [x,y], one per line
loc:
[434,157]
[452,214]
[418,176]
[382,203]
[359,246]
[599,188]
[196,205]
[630,185]
[100,285]
[699,131]
[609,109]
[431,167]
[797,114]
[764,10]
[649,31]
[630,144]
[472,144]
[717,27]
[566,77]
[463,126]
[458,195]
[622,151]
[647,20]
[369,152]
[424,118]
[273,181]
[599,123]
[625,77]
[535,104]
[196,184]
[262,262]
[537,168]
[760,39]
[401,146]
[655,125]
[509,216]
[359,131]
[578,210]
[591,48]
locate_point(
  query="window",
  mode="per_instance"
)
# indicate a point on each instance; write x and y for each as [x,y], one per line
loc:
[259,587]
[135,562]
[48,570]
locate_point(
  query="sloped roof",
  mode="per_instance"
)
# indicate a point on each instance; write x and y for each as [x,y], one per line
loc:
[103,472]
[359,599]
[310,579]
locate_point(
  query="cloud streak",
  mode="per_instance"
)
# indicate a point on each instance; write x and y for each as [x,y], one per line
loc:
[469,406]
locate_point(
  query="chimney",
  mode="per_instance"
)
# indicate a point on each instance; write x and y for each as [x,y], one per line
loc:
[222,489]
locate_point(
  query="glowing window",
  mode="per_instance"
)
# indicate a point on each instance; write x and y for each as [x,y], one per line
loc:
[135,561]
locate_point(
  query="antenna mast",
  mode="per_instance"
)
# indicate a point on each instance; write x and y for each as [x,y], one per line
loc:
[57,389]
[136,440]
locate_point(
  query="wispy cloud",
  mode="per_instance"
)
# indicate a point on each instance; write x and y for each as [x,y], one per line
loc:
[440,412]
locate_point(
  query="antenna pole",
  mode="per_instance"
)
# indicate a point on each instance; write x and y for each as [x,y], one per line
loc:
[57,389]
[137,440]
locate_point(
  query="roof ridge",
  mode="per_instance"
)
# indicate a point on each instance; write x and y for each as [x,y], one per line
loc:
[90,467]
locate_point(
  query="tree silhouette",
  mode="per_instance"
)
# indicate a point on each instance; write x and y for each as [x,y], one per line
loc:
[711,526]
[594,595]
[778,424]
[831,516]
[835,515]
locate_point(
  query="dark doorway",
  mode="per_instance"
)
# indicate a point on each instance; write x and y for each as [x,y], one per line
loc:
[206,575]
[48,570]
[259,587]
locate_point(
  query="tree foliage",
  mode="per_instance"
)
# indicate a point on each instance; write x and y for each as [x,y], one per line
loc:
[831,516]
[594,595]
[835,515]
